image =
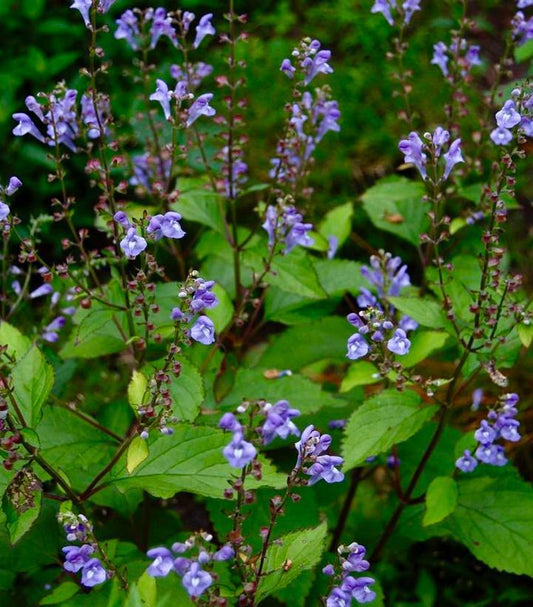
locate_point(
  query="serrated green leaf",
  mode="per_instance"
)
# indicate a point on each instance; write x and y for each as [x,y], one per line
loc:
[385,420]
[142,593]
[60,593]
[494,520]
[441,500]
[17,343]
[137,388]
[201,206]
[189,460]
[423,343]
[337,223]
[395,205]
[339,276]
[426,312]
[137,453]
[360,373]
[296,552]
[21,504]
[525,333]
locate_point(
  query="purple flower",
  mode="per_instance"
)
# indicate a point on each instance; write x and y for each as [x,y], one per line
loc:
[383,7]
[203,331]
[162,94]
[466,462]
[440,57]
[50,332]
[186,19]
[491,454]
[14,184]
[132,244]
[95,123]
[485,434]
[324,468]
[508,429]
[163,562]
[410,7]
[200,107]
[196,581]
[440,137]
[84,7]
[239,452]
[361,591]
[93,573]
[287,68]
[76,557]
[25,125]
[128,29]
[522,28]
[477,397]
[203,29]
[44,289]
[224,554]
[338,598]
[298,235]
[524,3]
[278,422]
[4,210]
[399,344]
[121,218]
[452,157]
[357,347]
[203,297]
[311,444]
[508,117]
[318,65]
[501,136]
[170,226]
[162,26]
[412,150]
[229,422]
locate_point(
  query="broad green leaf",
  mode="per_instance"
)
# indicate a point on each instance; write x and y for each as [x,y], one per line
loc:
[201,206]
[426,312]
[385,420]
[33,379]
[360,373]
[423,343]
[221,314]
[337,223]
[306,343]
[189,460]
[395,205]
[302,393]
[21,504]
[187,392]
[441,500]
[142,593]
[525,333]
[60,593]
[494,519]
[457,224]
[17,343]
[137,388]
[137,453]
[286,560]
[339,276]
[96,335]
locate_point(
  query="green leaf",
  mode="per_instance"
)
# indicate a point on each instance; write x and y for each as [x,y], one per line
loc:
[60,593]
[201,206]
[307,343]
[222,314]
[285,561]
[441,500]
[338,223]
[302,393]
[385,420]
[17,344]
[426,312]
[21,503]
[189,460]
[360,373]
[395,205]
[339,276]
[525,333]
[33,379]
[137,453]
[137,389]
[423,343]
[143,593]
[494,520]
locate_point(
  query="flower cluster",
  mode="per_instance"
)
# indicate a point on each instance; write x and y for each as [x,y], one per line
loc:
[283,224]
[196,296]
[376,319]
[311,61]
[516,112]
[522,27]
[199,107]
[388,7]
[416,151]
[79,558]
[195,579]
[14,184]
[464,55]
[310,448]
[311,118]
[347,587]
[150,173]
[194,74]
[500,423]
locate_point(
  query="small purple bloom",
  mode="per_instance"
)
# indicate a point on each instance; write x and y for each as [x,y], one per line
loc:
[239,452]
[93,573]
[163,562]
[14,184]
[44,289]
[162,26]
[84,7]
[203,331]
[509,429]
[76,557]
[203,297]
[485,434]
[311,444]
[128,29]
[399,344]
[410,7]
[229,422]
[508,117]
[412,148]
[466,462]
[25,125]
[287,68]
[203,29]
[324,468]
[196,581]
[279,422]
[383,7]
[176,314]
[477,397]
[328,570]
[121,218]
[162,94]
[170,226]
[298,235]
[501,136]
[133,244]
[440,57]
[491,454]
[4,210]
[200,107]
[318,65]
[452,157]
[186,19]
[224,554]
[357,347]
